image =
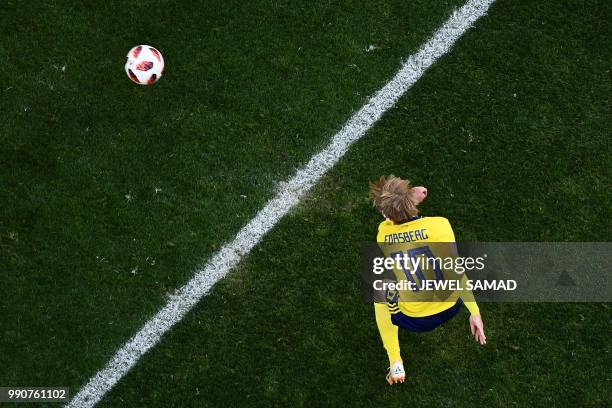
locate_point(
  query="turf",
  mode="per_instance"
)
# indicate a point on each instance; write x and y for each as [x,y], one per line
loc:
[510,132]
[113,194]
[289,328]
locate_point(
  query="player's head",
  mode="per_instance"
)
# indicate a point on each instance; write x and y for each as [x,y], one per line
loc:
[396,199]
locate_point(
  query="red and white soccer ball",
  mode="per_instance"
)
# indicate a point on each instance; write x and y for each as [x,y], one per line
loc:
[144,65]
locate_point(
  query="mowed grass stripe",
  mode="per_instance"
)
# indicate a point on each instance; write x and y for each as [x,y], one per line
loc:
[287,197]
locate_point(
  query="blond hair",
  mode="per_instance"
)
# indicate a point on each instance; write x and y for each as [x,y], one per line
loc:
[391,196]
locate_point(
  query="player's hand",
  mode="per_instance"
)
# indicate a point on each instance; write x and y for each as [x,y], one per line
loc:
[477,328]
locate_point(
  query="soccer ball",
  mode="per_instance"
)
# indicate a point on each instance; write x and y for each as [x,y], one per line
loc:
[144,65]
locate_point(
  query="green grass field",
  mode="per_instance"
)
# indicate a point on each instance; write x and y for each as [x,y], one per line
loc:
[113,194]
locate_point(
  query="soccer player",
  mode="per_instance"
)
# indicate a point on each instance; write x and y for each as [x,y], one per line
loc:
[397,200]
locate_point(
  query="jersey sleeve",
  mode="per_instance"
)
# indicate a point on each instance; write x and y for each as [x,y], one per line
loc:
[446,234]
[472,306]
[388,332]
[468,298]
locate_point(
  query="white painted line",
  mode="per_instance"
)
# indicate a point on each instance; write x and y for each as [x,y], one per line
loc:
[287,197]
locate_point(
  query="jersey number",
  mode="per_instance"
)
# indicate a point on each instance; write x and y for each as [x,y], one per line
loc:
[414,254]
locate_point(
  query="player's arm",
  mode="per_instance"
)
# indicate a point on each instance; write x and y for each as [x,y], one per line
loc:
[389,335]
[446,234]
[388,332]
[476,324]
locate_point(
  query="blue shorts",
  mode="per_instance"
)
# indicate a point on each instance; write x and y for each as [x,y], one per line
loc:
[425,323]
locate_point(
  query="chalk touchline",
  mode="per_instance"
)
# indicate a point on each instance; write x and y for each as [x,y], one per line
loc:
[287,197]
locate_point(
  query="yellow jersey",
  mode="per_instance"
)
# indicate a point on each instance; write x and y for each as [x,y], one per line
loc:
[416,233]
